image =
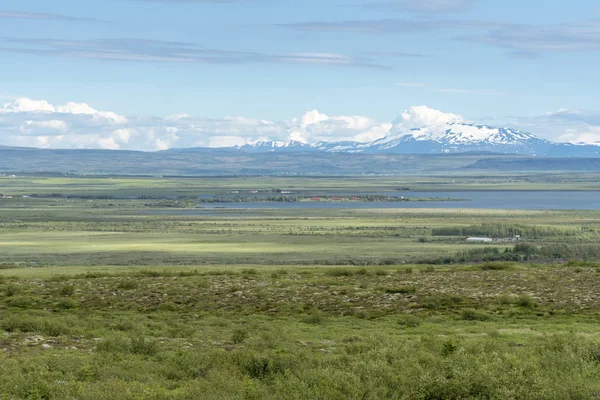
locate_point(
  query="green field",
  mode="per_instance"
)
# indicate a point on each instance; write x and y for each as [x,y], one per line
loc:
[128,186]
[137,298]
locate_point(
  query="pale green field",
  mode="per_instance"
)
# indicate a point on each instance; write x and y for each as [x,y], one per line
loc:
[124,187]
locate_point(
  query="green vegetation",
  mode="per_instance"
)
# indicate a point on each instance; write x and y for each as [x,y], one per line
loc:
[510,231]
[305,334]
[103,187]
[100,297]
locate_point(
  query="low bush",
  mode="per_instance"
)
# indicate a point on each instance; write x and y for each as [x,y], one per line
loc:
[67,291]
[526,301]
[409,321]
[127,285]
[400,290]
[239,336]
[496,265]
[473,315]
[339,272]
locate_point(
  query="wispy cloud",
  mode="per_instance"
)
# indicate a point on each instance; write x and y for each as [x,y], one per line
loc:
[6,14]
[393,25]
[424,6]
[530,40]
[475,92]
[484,92]
[141,50]
[394,54]
[413,84]
[525,41]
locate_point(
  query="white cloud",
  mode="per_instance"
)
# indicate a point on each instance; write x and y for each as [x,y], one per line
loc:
[589,135]
[38,123]
[178,117]
[23,105]
[376,132]
[227,141]
[28,105]
[419,116]
[27,122]
[563,125]
[51,124]
[84,109]
[123,135]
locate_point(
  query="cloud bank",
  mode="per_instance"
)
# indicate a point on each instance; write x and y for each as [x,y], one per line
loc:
[38,123]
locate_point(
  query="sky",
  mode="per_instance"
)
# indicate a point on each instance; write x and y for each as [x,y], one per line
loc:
[158,74]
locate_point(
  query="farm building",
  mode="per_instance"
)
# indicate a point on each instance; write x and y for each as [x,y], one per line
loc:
[479,240]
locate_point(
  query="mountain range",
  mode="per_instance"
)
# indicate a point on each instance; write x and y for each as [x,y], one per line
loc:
[457,137]
[454,148]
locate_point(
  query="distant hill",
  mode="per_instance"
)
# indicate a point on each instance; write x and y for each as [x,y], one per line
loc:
[231,161]
[537,164]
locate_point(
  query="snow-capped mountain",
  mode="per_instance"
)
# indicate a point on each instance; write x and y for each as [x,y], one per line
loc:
[276,145]
[456,137]
[459,137]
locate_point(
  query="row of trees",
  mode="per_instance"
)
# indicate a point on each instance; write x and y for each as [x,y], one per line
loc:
[507,231]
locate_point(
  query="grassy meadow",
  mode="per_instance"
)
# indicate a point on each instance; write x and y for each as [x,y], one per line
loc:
[106,296]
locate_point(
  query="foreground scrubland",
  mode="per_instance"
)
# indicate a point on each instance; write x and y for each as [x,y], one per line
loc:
[491,331]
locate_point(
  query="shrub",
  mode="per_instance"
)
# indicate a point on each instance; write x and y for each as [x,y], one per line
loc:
[526,302]
[60,278]
[112,345]
[143,346]
[258,368]
[123,325]
[437,301]
[67,290]
[26,324]
[496,266]
[472,315]
[239,336]
[409,321]
[449,348]
[127,285]
[66,304]
[20,302]
[314,317]
[249,271]
[11,290]
[505,299]
[151,273]
[338,272]
[401,290]
[167,306]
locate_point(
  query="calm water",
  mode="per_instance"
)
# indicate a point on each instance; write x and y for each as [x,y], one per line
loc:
[511,200]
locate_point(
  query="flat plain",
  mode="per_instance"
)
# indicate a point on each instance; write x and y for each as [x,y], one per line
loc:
[100,294]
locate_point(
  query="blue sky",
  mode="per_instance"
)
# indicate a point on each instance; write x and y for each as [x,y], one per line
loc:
[200,72]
